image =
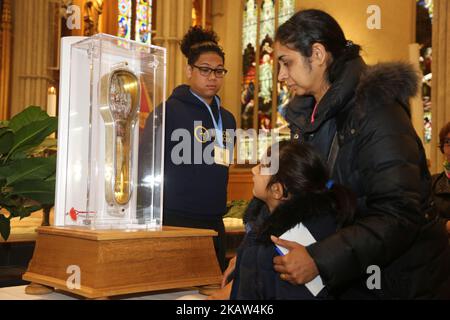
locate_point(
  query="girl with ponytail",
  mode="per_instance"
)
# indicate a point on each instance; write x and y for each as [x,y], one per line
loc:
[299,192]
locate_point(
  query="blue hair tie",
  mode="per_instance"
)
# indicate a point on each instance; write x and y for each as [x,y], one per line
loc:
[329,184]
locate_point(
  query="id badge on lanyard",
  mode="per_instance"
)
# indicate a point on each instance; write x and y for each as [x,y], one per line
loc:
[221,153]
[222,156]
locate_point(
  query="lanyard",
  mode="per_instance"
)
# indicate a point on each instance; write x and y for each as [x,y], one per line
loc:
[313,115]
[217,126]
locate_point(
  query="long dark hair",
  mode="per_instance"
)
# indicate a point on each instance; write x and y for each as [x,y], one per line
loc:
[308,188]
[197,41]
[308,27]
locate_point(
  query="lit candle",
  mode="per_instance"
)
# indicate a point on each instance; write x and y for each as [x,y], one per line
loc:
[51,101]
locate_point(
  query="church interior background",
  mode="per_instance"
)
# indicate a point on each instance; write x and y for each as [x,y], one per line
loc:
[30,33]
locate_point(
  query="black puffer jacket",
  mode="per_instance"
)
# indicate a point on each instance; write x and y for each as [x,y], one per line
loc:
[382,160]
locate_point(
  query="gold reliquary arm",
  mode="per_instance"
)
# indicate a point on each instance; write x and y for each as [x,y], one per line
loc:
[119,107]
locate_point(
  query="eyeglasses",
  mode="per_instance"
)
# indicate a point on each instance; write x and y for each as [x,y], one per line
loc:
[206,71]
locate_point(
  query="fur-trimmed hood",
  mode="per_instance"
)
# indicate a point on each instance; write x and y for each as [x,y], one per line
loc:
[287,215]
[366,86]
[386,83]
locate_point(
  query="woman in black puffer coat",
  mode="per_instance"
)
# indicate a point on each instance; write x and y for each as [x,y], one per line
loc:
[358,118]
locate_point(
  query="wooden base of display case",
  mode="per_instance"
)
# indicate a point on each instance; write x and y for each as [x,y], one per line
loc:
[104,263]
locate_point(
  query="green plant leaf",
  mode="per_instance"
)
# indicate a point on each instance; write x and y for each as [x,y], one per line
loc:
[5,227]
[30,169]
[29,115]
[18,156]
[6,140]
[27,165]
[52,177]
[22,211]
[32,135]
[4,172]
[236,209]
[5,201]
[47,146]
[4,130]
[49,143]
[38,190]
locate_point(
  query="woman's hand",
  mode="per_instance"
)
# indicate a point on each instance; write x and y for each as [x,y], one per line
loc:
[222,294]
[228,271]
[448,227]
[296,267]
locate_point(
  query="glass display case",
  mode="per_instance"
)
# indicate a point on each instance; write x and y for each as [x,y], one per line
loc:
[110,170]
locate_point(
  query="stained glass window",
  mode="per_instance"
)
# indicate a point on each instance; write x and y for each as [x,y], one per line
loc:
[249,39]
[136,27]
[266,36]
[262,108]
[124,27]
[286,10]
[258,32]
[144,21]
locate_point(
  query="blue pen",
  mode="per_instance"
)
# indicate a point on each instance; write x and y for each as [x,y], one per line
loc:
[279,251]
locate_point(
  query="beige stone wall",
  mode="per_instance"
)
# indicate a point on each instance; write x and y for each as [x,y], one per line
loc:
[173,19]
[389,43]
[30,63]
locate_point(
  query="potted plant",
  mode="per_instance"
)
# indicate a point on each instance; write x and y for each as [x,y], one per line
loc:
[27,165]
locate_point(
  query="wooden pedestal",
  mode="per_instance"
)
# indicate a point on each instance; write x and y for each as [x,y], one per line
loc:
[113,262]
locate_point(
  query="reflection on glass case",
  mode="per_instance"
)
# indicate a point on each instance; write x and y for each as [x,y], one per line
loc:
[110,88]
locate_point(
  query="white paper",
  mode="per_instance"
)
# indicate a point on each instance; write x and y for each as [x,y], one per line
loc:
[301,235]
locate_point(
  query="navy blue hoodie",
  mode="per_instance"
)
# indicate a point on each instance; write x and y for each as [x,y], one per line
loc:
[192,190]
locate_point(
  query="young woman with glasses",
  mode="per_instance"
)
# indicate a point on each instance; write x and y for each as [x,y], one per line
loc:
[196,169]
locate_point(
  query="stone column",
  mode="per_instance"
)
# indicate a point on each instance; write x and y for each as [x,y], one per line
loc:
[173,20]
[440,98]
[5,62]
[109,17]
[416,102]
[30,73]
